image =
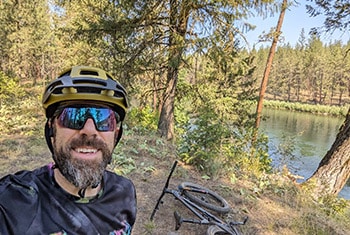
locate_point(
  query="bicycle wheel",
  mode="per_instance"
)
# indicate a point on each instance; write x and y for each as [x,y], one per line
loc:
[204,197]
[215,230]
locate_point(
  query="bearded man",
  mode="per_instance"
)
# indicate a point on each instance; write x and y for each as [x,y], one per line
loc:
[85,108]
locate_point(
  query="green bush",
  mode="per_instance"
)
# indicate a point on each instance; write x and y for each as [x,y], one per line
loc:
[9,89]
[20,113]
[23,116]
[142,119]
[217,147]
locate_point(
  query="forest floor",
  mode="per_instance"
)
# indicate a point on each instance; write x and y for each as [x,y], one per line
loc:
[273,203]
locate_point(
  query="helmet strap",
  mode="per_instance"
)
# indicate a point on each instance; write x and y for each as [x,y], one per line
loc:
[120,133]
[48,135]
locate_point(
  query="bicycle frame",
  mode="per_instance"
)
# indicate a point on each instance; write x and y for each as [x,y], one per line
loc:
[204,217]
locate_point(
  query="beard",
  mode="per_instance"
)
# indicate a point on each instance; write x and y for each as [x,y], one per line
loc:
[82,173]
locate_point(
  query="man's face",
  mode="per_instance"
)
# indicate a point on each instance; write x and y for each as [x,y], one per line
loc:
[82,155]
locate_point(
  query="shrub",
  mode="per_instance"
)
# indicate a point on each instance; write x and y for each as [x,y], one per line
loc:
[19,113]
[218,147]
[9,89]
[142,119]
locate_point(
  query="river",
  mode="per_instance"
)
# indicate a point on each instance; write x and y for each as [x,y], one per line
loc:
[300,140]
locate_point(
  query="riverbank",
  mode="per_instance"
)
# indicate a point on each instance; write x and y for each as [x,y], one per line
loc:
[338,111]
[300,140]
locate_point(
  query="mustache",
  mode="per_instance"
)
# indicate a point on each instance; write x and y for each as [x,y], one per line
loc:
[88,141]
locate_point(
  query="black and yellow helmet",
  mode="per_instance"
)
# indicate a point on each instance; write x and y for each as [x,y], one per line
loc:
[86,84]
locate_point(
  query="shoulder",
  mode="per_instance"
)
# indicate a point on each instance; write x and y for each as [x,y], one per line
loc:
[21,184]
[118,182]
[19,196]
[119,187]
[22,179]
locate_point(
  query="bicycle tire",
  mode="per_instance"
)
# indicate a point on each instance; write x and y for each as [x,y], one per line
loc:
[204,197]
[215,230]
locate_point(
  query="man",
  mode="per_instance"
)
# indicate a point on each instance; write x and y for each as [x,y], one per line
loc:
[85,108]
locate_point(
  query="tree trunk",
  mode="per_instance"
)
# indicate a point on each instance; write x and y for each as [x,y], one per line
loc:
[166,120]
[334,169]
[340,98]
[320,88]
[269,65]
[178,27]
[155,97]
[298,89]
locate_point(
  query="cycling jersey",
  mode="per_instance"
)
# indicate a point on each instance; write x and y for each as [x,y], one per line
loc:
[31,202]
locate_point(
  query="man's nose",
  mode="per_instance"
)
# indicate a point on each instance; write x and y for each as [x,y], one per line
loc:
[89,127]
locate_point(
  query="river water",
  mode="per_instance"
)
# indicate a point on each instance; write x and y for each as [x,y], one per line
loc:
[300,140]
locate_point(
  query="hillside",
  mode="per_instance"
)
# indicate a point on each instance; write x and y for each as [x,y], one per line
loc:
[273,203]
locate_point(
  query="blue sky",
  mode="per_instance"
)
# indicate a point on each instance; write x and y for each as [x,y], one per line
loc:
[295,19]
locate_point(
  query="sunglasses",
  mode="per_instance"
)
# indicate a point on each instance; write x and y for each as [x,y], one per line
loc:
[75,118]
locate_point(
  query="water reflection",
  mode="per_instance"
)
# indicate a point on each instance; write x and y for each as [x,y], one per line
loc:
[300,140]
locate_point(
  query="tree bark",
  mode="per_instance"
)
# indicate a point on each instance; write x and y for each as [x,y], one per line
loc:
[178,28]
[334,169]
[269,64]
[166,120]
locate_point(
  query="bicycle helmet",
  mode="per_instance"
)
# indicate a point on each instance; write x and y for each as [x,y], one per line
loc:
[88,84]
[83,83]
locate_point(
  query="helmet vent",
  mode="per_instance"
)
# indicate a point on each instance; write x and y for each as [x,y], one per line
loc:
[88,72]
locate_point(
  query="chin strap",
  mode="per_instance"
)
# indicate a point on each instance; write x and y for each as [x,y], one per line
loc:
[82,191]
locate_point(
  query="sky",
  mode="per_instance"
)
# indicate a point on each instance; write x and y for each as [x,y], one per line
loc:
[295,19]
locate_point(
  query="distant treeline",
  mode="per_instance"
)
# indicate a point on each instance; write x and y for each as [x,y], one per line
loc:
[39,38]
[310,72]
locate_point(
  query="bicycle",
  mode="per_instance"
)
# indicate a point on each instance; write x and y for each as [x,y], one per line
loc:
[199,200]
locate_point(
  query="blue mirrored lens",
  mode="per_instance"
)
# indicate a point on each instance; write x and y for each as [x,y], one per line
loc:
[105,119]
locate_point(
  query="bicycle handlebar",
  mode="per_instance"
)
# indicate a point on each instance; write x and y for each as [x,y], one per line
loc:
[170,174]
[164,190]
